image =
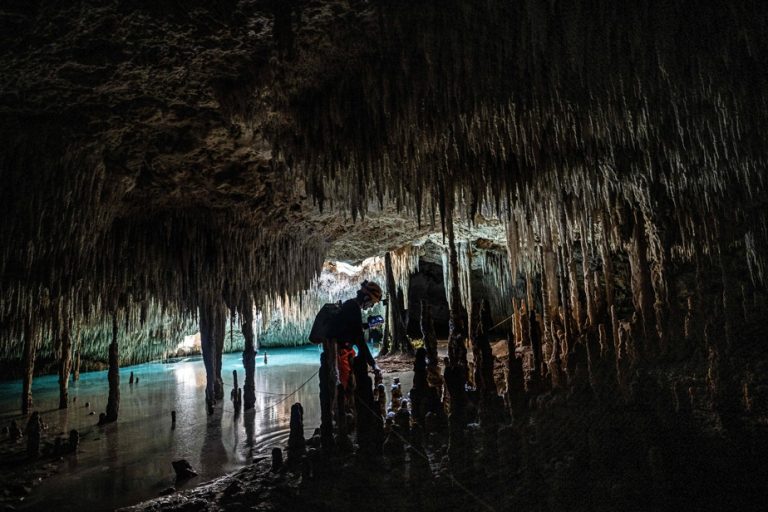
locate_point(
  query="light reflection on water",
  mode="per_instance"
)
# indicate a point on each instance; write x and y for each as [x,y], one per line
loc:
[129,461]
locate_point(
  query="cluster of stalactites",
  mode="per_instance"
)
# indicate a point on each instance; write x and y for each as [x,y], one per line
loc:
[559,117]
[172,262]
[464,257]
[405,262]
[498,281]
[146,331]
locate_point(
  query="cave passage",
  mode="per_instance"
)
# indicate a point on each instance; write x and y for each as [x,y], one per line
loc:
[564,204]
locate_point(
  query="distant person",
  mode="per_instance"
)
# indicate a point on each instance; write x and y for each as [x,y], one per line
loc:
[265,357]
[349,328]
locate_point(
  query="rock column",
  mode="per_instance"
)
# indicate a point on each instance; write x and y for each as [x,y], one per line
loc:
[113,376]
[219,333]
[249,354]
[455,374]
[65,365]
[395,309]
[208,347]
[30,348]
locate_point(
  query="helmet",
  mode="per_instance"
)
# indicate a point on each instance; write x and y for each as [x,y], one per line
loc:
[371,289]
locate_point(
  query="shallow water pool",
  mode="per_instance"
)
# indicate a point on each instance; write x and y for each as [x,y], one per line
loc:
[129,461]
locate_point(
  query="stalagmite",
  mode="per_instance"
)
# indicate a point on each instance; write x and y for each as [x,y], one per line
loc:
[296,443]
[113,376]
[515,379]
[484,359]
[249,353]
[34,431]
[490,407]
[430,344]
[370,433]
[418,393]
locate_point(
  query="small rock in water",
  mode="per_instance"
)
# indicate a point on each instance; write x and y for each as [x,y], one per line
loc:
[87,404]
[91,413]
[183,469]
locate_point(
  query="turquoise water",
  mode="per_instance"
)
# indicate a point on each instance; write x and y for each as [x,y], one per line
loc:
[130,461]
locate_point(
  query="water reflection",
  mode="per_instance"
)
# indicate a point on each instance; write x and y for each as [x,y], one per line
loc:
[249,420]
[213,454]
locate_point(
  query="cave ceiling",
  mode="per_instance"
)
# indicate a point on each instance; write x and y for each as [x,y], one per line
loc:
[174,150]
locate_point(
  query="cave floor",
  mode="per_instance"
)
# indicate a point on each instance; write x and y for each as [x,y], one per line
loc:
[130,461]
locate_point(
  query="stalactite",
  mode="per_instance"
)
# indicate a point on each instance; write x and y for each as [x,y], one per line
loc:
[404,262]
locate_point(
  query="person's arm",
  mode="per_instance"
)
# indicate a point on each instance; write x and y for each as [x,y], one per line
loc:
[364,351]
[353,328]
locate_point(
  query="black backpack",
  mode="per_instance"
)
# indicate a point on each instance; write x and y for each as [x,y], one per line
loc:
[325,323]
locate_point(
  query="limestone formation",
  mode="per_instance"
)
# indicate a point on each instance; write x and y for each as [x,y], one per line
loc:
[34,431]
[296,443]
